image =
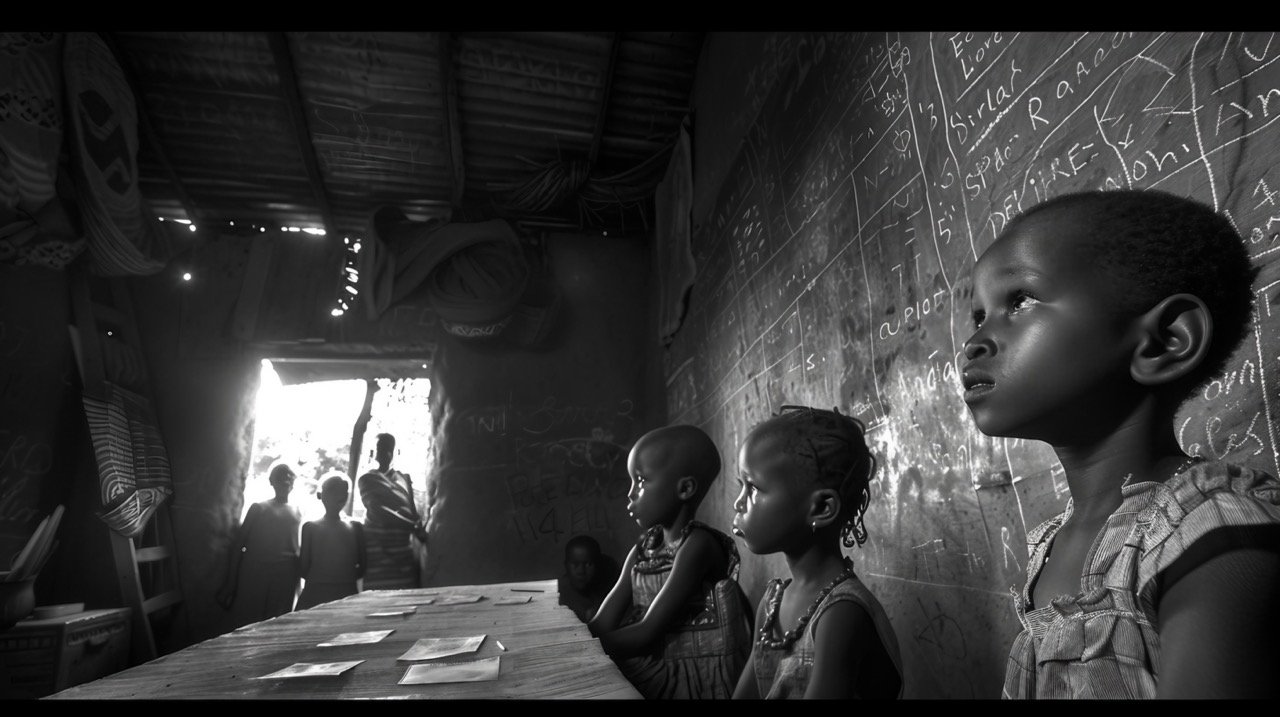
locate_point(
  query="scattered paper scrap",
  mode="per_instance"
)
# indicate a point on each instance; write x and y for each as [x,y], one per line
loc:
[429,648]
[311,669]
[395,612]
[458,599]
[356,638]
[513,600]
[416,602]
[439,672]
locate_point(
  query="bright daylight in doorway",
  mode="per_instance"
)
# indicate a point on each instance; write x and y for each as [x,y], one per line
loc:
[310,426]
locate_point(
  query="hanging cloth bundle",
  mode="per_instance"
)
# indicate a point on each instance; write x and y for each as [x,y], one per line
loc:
[103,123]
[474,274]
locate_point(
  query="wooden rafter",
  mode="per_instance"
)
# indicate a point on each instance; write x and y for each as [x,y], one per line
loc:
[452,125]
[602,113]
[149,131]
[302,131]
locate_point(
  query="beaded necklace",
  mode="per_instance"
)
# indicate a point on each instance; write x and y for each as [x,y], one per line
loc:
[790,636]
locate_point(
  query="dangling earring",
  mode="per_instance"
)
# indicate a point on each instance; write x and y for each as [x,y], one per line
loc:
[814,526]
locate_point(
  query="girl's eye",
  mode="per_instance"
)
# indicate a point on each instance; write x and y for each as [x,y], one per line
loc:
[1022,300]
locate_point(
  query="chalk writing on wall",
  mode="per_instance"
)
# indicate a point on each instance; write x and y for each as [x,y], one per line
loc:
[835,269]
[562,464]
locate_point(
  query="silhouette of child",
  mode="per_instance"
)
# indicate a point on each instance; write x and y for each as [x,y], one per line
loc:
[676,622]
[333,550]
[821,633]
[262,573]
[1096,315]
[588,575]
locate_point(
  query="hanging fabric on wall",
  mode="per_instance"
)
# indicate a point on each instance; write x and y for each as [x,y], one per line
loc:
[673,203]
[35,227]
[103,140]
[133,466]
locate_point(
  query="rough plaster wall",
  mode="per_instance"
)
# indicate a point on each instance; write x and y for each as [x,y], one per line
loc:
[205,387]
[532,443]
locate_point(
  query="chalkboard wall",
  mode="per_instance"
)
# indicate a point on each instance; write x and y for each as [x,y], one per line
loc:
[835,235]
[38,407]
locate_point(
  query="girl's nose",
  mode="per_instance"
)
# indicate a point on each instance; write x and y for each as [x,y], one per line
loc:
[977,345]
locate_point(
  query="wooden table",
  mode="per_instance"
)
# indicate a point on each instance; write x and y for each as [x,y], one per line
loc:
[550,653]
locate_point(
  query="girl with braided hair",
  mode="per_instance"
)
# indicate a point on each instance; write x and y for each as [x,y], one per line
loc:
[805,476]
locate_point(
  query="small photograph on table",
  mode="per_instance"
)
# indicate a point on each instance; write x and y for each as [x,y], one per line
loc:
[430,648]
[311,669]
[441,672]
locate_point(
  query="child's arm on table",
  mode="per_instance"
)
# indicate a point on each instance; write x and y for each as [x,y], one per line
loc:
[616,603]
[693,560]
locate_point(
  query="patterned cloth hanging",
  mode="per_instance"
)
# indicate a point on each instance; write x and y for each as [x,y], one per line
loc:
[103,136]
[133,466]
[35,225]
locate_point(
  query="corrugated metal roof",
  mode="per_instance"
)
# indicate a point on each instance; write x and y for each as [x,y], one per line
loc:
[318,128]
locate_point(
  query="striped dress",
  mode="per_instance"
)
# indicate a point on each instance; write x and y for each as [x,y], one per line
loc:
[701,656]
[1102,643]
[392,563]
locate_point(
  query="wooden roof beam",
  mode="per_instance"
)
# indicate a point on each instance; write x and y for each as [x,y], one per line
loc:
[302,131]
[452,125]
[149,131]
[602,113]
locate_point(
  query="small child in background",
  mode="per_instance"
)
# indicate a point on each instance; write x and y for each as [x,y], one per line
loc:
[262,573]
[333,551]
[588,576]
[676,622]
[820,633]
[1096,315]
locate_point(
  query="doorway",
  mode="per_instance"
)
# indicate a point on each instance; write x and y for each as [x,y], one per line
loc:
[312,427]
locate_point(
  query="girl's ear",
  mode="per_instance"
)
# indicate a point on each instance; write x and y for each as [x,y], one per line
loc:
[686,487]
[824,508]
[1174,336]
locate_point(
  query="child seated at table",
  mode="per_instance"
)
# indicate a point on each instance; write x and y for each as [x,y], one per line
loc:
[676,622]
[333,550]
[588,576]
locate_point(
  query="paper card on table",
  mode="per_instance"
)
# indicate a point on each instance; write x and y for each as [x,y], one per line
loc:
[458,599]
[395,611]
[416,602]
[429,648]
[311,669]
[356,638]
[435,673]
[513,600]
